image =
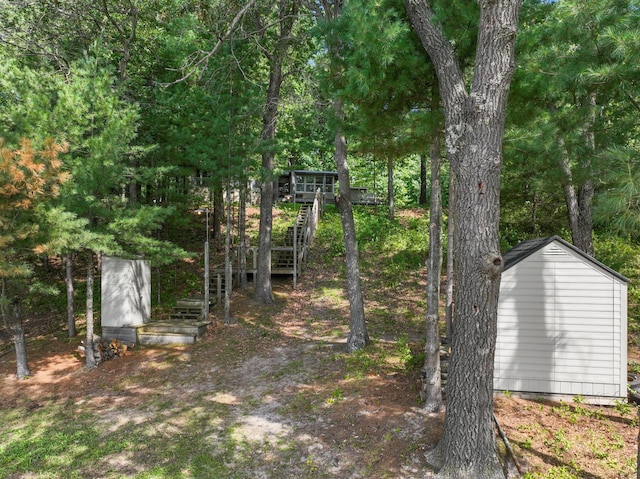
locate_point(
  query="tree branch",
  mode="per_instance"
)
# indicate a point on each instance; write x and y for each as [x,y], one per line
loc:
[217,46]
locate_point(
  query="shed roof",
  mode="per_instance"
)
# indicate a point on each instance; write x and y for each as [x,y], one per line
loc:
[526,248]
[314,172]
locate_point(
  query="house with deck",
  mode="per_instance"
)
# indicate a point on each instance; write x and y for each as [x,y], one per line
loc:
[300,186]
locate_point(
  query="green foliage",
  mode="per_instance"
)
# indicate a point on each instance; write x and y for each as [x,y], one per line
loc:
[559,443]
[556,472]
[29,181]
[337,395]
[363,362]
[572,78]
[622,255]
[387,78]
[396,246]
[409,359]
[329,234]
[618,206]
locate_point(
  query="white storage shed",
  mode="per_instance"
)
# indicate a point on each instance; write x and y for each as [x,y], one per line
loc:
[562,324]
[126,297]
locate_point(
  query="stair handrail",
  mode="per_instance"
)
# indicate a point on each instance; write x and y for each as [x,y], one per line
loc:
[309,225]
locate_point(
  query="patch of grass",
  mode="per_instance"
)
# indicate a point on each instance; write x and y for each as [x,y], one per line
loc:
[289,369]
[559,472]
[625,408]
[574,413]
[634,367]
[334,294]
[329,235]
[407,357]
[56,442]
[559,443]
[395,247]
[304,402]
[364,362]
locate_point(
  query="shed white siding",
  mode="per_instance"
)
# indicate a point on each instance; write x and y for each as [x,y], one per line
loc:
[126,292]
[562,322]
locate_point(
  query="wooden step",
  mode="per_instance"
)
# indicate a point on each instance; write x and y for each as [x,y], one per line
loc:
[173,331]
[182,317]
[177,326]
[186,311]
[151,338]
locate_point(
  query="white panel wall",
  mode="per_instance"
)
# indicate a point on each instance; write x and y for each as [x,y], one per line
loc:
[560,327]
[126,292]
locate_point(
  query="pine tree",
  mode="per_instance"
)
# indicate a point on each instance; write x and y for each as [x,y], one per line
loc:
[29,179]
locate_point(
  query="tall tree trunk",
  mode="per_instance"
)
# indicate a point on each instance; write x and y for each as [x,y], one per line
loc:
[390,192]
[432,384]
[579,204]
[89,340]
[358,336]
[263,291]
[228,271]
[242,236]
[134,186]
[218,213]
[422,200]
[12,318]
[586,189]
[451,227]
[68,279]
[474,133]
[287,15]
[19,341]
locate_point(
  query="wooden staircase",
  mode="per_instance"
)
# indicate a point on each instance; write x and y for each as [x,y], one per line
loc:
[282,258]
[219,278]
[187,321]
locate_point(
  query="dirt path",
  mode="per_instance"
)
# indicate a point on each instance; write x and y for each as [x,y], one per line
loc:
[276,394]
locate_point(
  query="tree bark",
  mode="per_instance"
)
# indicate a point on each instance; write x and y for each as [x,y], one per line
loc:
[20,342]
[422,200]
[287,16]
[474,123]
[451,228]
[390,189]
[242,236]
[13,323]
[68,279]
[88,342]
[580,202]
[358,336]
[228,271]
[218,214]
[126,31]
[579,205]
[264,293]
[432,384]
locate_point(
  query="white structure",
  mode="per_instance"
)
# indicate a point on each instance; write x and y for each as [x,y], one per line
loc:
[562,324]
[126,297]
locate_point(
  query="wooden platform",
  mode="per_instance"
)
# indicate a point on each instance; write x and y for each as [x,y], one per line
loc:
[172,331]
[185,325]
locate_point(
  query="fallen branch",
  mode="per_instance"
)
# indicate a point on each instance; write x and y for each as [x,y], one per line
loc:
[508,445]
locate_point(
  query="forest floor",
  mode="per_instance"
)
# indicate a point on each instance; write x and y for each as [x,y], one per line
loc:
[273,395]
